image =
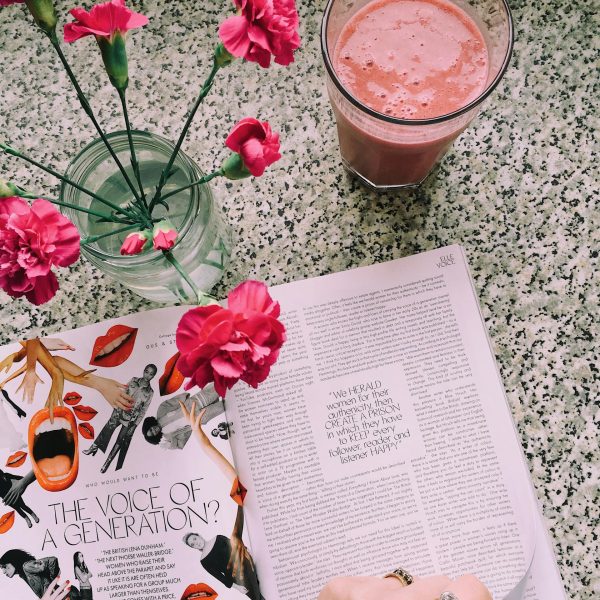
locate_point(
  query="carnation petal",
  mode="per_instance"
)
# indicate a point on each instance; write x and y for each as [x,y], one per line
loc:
[252,295]
[242,131]
[190,326]
[67,239]
[225,367]
[13,205]
[44,289]
[234,35]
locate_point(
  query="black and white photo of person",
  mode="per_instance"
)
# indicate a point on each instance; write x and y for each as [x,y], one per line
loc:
[39,574]
[6,485]
[170,428]
[82,573]
[126,421]
[10,438]
[226,558]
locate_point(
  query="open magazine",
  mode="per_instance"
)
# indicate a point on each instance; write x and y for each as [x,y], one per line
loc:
[382,439]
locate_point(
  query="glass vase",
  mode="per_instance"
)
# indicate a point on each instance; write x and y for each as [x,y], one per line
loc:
[204,244]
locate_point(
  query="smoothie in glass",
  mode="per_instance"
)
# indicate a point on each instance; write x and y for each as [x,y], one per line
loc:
[406,77]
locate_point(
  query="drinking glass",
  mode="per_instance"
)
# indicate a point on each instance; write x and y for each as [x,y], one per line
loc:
[386,152]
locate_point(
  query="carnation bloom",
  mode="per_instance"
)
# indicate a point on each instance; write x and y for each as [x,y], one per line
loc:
[225,345]
[134,243]
[33,239]
[109,22]
[9,2]
[262,29]
[164,235]
[256,144]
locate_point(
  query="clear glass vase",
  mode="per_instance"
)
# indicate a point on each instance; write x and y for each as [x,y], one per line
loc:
[204,243]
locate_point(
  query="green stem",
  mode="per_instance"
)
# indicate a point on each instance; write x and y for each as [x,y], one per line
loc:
[167,170]
[88,110]
[94,238]
[200,295]
[66,180]
[200,181]
[85,210]
[134,162]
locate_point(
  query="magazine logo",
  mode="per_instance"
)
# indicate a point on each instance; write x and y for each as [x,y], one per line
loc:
[446,261]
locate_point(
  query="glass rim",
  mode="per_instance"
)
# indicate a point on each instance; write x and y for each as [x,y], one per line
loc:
[193,206]
[432,120]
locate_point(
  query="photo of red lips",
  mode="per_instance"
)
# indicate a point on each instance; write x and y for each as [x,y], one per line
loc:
[72,398]
[16,460]
[199,590]
[85,413]
[172,379]
[7,521]
[114,348]
[86,431]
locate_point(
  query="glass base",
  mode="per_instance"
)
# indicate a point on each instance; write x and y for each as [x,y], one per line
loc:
[380,188]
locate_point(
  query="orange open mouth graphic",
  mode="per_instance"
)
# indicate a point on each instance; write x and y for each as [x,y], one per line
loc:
[114,348]
[54,448]
[199,590]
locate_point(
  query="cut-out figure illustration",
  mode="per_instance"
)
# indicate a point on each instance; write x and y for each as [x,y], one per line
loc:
[19,506]
[60,370]
[38,574]
[82,573]
[226,558]
[170,427]
[222,430]
[126,421]
[199,590]
[10,438]
[58,590]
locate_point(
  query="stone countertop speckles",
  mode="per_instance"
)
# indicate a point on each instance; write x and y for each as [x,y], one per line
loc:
[518,190]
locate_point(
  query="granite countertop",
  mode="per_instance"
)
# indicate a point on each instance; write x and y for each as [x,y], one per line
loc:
[518,190]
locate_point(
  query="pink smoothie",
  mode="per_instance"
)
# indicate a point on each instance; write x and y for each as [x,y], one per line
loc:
[409,59]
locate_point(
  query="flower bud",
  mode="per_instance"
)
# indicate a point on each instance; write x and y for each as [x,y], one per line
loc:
[43,14]
[134,243]
[114,56]
[164,235]
[222,57]
[8,189]
[233,167]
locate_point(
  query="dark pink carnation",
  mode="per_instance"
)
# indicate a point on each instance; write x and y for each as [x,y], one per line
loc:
[33,239]
[262,29]
[255,143]
[9,2]
[103,20]
[224,345]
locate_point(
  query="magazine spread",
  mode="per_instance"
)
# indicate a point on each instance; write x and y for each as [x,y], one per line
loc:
[381,439]
[123,503]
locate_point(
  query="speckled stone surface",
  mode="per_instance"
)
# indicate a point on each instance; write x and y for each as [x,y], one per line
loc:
[518,190]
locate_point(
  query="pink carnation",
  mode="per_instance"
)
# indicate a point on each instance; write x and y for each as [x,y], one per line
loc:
[255,143]
[134,243]
[164,235]
[9,2]
[262,29]
[103,20]
[33,239]
[225,345]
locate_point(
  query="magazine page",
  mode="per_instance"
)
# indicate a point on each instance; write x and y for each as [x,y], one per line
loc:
[113,490]
[383,439]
